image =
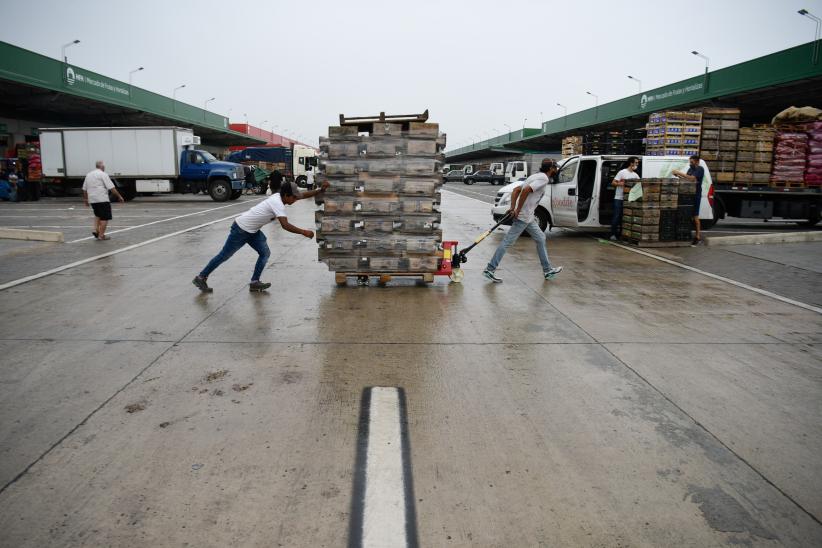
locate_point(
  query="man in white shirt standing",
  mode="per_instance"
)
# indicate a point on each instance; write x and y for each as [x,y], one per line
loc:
[524,201]
[95,193]
[619,184]
[246,230]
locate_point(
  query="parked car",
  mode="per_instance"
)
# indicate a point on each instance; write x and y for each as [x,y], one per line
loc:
[454,175]
[484,176]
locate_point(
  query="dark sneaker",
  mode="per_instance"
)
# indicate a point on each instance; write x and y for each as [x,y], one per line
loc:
[551,274]
[696,242]
[95,234]
[201,284]
[258,286]
[491,276]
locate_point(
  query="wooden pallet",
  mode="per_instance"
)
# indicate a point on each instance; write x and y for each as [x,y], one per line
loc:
[384,277]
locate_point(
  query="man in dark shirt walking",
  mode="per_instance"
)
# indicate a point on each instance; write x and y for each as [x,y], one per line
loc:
[695,174]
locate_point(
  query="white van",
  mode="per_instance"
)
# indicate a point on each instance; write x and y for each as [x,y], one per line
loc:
[582,196]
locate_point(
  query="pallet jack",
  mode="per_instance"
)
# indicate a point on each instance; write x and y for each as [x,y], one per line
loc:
[452,258]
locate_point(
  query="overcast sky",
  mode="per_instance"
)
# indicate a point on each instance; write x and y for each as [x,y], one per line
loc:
[476,65]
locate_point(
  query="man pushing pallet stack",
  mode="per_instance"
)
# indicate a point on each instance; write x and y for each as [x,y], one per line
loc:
[380,214]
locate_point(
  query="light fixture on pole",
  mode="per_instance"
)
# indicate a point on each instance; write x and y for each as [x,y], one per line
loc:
[174,97]
[245,115]
[638,81]
[523,122]
[131,73]
[205,107]
[818,22]
[705,57]
[63,50]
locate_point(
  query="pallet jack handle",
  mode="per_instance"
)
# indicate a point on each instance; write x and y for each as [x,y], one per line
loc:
[460,257]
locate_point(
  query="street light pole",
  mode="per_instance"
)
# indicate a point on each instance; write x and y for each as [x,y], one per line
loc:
[818,22]
[596,103]
[564,116]
[174,97]
[509,128]
[131,73]
[638,81]
[707,62]
[205,107]
[63,50]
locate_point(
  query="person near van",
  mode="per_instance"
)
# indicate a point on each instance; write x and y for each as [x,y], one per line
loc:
[5,188]
[696,173]
[246,230]
[629,172]
[250,179]
[96,187]
[524,201]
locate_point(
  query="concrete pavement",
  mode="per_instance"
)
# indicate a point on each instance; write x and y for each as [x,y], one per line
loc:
[629,402]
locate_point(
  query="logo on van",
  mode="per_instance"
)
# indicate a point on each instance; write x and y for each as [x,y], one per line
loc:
[643,102]
[70,78]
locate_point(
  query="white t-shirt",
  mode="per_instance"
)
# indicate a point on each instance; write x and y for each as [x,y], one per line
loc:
[262,214]
[621,176]
[537,182]
[309,176]
[97,185]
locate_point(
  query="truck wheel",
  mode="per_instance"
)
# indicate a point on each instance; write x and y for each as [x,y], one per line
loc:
[813,220]
[236,194]
[301,181]
[220,190]
[469,181]
[128,190]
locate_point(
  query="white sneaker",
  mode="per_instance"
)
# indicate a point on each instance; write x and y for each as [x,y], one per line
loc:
[551,274]
[613,238]
[491,276]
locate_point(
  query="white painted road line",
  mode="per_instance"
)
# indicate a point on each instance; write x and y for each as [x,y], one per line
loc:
[383,511]
[39,275]
[722,279]
[167,220]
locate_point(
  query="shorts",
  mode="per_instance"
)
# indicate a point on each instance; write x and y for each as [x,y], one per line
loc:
[697,200]
[102,210]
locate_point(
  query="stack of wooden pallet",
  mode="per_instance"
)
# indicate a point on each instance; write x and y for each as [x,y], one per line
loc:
[571,145]
[673,133]
[380,215]
[754,155]
[717,145]
[658,216]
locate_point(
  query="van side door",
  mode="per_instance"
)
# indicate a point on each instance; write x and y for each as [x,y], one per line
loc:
[564,195]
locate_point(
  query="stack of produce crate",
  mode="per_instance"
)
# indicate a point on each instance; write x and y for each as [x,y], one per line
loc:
[380,214]
[673,133]
[663,214]
[571,145]
[717,145]
[754,155]
[790,156]
[594,142]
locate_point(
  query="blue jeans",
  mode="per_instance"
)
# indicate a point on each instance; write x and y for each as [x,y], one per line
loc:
[237,238]
[517,228]
[616,220]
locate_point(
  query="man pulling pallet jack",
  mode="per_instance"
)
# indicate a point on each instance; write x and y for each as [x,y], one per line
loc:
[524,201]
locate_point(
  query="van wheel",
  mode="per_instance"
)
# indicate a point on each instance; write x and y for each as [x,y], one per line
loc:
[219,190]
[469,181]
[543,219]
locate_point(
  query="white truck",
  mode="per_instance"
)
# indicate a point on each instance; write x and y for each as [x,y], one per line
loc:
[527,165]
[138,160]
[304,157]
[582,196]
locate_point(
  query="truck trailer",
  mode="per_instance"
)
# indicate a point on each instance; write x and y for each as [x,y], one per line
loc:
[138,160]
